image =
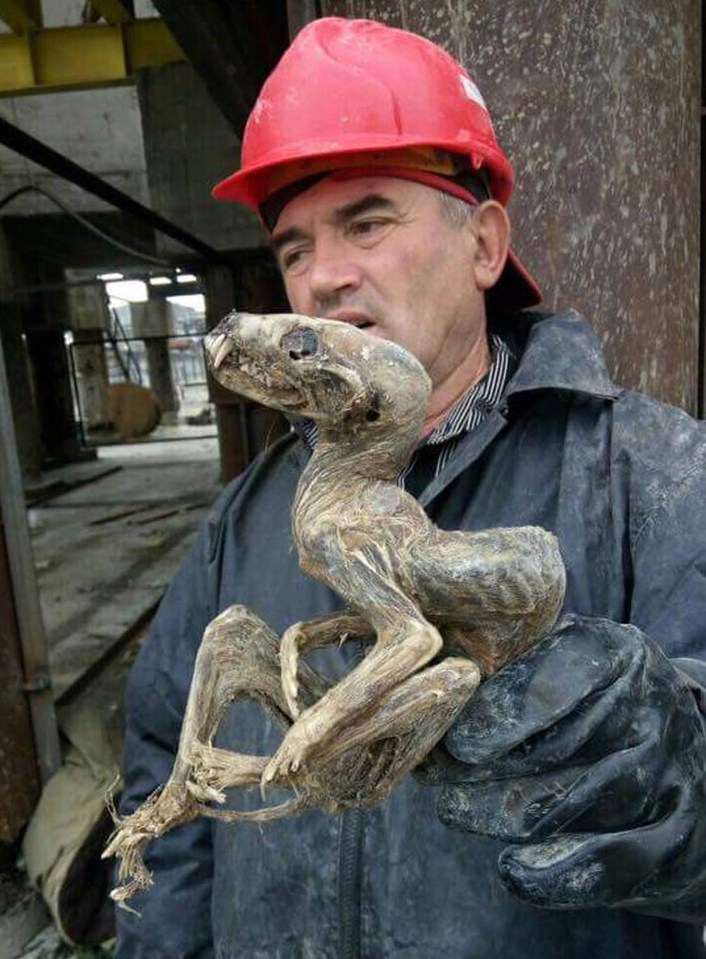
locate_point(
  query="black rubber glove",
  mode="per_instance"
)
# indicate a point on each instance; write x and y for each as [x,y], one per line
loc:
[590,753]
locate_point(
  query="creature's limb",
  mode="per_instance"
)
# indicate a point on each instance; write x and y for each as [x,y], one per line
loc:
[302,638]
[238,658]
[405,643]
[405,725]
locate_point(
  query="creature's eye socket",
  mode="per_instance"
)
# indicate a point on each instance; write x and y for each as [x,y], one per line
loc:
[373,411]
[300,344]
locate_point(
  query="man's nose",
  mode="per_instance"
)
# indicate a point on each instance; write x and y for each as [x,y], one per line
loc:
[332,272]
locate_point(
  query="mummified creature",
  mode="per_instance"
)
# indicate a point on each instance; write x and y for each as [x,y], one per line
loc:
[440,609]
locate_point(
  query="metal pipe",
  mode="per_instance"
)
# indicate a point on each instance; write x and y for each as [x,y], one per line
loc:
[35,652]
[28,146]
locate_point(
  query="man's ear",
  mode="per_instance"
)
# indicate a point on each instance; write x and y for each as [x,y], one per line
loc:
[491,226]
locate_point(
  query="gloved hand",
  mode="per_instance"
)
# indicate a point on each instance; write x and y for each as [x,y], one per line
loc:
[589,752]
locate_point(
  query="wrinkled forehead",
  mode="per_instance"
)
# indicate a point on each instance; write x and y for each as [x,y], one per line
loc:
[331,198]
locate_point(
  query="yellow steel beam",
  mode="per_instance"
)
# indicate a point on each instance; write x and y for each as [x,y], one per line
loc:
[148,43]
[21,15]
[112,10]
[93,55]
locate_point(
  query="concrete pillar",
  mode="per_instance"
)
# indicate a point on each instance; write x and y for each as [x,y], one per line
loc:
[190,146]
[154,321]
[597,103]
[45,319]
[88,309]
[52,381]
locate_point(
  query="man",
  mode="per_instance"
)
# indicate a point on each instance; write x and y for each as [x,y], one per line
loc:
[574,780]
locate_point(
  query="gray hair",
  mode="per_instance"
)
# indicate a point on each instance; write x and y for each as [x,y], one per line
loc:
[455,210]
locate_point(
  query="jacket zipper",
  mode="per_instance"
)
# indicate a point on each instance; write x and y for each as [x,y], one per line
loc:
[350,864]
[350,881]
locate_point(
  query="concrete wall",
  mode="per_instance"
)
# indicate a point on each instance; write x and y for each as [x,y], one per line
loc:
[597,103]
[189,148]
[98,129]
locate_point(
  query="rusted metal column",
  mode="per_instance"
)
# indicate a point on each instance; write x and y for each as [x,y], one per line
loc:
[597,103]
[25,671]
[19,774]
[220,299]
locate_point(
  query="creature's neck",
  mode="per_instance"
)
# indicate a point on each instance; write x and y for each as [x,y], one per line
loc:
[342,466]
[358,456]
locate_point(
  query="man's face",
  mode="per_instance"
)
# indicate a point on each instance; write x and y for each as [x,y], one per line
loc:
[380,253]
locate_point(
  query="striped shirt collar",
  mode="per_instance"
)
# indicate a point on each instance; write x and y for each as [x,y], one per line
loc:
[480,399]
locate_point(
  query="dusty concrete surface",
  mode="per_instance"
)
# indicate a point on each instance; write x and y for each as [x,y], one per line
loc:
[105,552]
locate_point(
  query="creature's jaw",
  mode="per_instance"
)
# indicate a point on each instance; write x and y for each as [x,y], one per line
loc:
[236,370]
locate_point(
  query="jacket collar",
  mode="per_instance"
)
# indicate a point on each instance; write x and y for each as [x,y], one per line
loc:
[558,352]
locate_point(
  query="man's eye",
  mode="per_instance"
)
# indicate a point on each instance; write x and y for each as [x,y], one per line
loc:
[291,259]
[366,227]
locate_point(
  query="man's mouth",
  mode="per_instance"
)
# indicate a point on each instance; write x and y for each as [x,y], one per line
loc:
[358,320]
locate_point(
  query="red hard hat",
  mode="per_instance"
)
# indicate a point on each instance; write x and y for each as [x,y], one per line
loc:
[349,86]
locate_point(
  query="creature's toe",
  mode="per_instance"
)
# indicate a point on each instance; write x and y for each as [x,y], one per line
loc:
[205,793]
[291,692]
[289,660]
[286,761]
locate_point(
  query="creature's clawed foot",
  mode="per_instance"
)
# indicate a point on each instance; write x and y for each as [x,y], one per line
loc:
[292,755]
[164,810]
[205,781]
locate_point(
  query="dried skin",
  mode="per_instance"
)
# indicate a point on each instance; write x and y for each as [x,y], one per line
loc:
[419,594]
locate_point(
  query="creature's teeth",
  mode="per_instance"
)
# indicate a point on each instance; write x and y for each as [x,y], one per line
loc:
[220,350]
[213,343]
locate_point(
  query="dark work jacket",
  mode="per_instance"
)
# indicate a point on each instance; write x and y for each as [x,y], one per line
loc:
[621,480]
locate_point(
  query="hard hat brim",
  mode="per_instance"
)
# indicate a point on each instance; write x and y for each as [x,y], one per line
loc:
[251,185]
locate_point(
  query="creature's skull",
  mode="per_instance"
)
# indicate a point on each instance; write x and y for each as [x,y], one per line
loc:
[322,369]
